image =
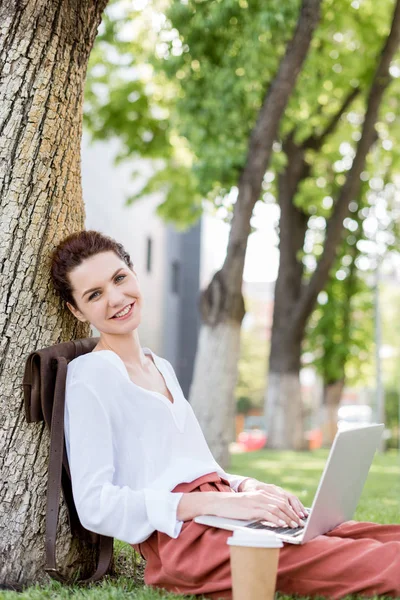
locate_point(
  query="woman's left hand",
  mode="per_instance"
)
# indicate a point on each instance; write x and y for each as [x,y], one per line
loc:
[251,484]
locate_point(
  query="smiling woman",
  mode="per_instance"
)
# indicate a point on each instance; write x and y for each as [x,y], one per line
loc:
[141,469]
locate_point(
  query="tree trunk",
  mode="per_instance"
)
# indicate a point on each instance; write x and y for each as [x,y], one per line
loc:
[222,343]
[44,49]
[215,369]
[332,396]
[284,411]
[222,302]
[283,406]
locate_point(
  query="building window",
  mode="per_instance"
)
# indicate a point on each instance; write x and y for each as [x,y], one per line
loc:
[175,277]
[149,254]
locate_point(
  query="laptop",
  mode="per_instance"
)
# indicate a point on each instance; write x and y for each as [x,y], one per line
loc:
[338,491]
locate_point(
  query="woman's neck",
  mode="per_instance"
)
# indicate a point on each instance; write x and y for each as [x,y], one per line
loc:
[126,346]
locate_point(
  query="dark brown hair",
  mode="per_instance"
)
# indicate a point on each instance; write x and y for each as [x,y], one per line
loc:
[73,250]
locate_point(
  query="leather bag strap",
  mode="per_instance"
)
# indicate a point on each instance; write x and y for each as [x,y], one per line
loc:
[57,450]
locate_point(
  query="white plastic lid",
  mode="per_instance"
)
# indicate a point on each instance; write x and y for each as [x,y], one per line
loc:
[255,538]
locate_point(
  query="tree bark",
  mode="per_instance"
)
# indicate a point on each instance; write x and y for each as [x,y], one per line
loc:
[295,299]
[44,49]
[222,303]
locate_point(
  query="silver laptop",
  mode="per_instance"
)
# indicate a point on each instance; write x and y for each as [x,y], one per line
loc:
[338,491]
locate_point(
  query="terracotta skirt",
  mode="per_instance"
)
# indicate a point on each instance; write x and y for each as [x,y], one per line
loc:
[354,558]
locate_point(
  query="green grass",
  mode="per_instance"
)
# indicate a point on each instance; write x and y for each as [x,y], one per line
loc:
[297,472]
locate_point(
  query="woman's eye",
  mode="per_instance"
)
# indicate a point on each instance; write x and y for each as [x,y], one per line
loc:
[94,293]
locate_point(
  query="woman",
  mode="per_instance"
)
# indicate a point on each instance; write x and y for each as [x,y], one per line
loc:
[141,469]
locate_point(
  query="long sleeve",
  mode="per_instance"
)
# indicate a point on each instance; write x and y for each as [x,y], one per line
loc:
[103,507]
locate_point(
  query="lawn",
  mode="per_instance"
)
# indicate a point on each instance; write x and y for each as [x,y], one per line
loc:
[297,472]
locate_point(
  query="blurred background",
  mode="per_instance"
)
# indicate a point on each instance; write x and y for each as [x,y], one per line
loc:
[168,118]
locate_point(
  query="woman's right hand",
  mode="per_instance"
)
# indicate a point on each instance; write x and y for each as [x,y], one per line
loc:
[256,505]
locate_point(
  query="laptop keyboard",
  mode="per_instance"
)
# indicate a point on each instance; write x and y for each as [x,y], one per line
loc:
[285,530]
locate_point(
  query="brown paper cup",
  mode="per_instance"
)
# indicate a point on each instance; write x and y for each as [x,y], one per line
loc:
[254,564]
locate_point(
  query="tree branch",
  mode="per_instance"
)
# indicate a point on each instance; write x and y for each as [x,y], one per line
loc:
[263,136]
[277,97]
[351,187]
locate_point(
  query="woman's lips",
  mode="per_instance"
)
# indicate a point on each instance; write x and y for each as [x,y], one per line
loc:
[128,314]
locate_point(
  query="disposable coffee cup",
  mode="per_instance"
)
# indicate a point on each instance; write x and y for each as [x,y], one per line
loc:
[254,563]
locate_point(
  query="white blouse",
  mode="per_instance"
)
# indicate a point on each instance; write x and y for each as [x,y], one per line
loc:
[128,447]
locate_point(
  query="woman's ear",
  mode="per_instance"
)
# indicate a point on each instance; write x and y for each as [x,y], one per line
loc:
[77,313]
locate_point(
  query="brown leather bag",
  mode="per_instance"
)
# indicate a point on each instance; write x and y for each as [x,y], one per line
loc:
[44,399]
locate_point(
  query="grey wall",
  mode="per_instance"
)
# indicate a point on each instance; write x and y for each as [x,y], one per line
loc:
[181,318]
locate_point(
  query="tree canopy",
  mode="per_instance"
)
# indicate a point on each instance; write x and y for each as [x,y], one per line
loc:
[187,87]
